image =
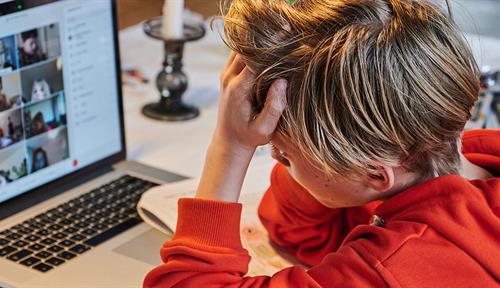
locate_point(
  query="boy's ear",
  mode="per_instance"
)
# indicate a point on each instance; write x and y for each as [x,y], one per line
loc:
[382,180]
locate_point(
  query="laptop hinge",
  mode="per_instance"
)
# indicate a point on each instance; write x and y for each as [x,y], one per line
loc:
[17,204]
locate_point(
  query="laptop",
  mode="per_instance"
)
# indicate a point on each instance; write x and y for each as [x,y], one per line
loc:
[67,194]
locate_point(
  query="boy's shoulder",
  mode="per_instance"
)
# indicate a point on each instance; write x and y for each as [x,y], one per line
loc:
[482,147]
[443,231]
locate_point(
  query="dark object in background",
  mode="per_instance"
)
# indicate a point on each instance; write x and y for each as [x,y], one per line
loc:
[486,113]
[171,81]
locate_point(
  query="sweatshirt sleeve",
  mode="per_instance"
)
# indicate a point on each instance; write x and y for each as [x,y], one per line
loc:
[302,225]
[482,147]
[206,251]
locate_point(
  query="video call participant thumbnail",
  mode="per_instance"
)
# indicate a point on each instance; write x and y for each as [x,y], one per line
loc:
[10,94]
[29,48]
[45,116]
[13,164]
[11,128]
[50,148]
[42,81]
[7,53]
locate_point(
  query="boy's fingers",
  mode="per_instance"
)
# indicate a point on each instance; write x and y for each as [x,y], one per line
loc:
[236,66]
[268,118]
[245,81]
[230,60]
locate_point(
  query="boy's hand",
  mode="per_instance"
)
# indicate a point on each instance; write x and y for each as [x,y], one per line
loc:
[235,126]
[238,133]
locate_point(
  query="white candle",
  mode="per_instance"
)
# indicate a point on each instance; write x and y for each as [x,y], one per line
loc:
[172,24]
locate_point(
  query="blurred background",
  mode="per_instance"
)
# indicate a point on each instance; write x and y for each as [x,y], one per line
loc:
[131,12]
[478,16]
[473,16]
[479,19]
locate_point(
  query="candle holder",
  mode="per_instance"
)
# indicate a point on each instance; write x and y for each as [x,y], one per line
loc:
[171,80]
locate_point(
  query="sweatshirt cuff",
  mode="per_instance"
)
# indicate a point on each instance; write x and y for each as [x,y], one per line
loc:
[209,222]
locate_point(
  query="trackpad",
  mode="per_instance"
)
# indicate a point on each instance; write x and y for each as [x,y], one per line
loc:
[145,247]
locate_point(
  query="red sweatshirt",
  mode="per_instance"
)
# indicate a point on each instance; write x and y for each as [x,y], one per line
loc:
[441,233]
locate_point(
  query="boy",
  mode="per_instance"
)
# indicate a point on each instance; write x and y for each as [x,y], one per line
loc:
[365,106]
[29,50]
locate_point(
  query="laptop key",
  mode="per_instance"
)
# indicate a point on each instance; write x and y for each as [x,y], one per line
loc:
[55,261]
[100,226]
[36,247]
[14,236]
[80,248]
[70,230]
[18,226]
[43,232]
[89,232]
[5,232]
[55,248]
[111,221]
[35,225]
[30,261]
[50,218]
[74,217]
[78,237]
[59,235]
[66,243]
[42,267]
[32,238]
[19,255]
[24,231]
[20,243]
[7,250]
[81,225]
[43,221]
[3,241]
[91,220]
[67,255]
[48,241]
[55,227]
[65,222]
[43,254]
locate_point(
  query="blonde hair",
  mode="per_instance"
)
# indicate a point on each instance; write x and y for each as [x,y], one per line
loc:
[370,81]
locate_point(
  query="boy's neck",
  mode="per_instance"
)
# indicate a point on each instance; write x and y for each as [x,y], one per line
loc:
[467,170]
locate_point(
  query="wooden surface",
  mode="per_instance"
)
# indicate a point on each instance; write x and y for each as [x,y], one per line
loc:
[131,12]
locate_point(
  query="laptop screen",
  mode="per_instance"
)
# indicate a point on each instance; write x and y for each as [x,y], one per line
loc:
[58,92]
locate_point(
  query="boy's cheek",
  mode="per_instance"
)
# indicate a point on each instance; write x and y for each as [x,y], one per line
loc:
[308,185]
[331,192]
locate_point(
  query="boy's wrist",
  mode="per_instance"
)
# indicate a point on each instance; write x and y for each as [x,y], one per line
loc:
[225,169]
[230,149]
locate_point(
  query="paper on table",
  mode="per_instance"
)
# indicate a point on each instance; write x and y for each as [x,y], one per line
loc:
[158,207]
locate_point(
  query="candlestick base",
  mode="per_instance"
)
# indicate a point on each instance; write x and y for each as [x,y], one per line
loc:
[176,112]
[171,80]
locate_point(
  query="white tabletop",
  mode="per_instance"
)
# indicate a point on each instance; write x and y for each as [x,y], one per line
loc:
[180,146]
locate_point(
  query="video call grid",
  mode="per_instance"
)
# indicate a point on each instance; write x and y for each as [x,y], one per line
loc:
[17,62]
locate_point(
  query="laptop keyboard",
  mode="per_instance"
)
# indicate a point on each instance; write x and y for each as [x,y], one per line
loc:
[60,234]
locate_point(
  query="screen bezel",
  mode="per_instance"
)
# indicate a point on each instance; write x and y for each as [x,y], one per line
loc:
[75,178]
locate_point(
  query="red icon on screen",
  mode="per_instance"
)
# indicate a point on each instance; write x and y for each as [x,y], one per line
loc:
[75,163]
